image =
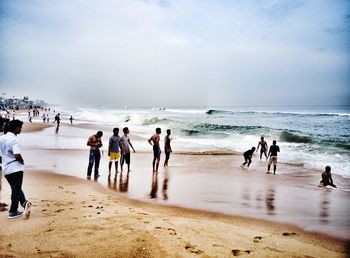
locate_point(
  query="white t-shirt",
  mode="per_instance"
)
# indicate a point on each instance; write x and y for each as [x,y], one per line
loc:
[9,146]
[125,140]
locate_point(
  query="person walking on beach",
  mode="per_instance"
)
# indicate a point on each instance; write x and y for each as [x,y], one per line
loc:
[263,148]
[113,151]
[167,147]
[57,119]
[327,178]
[248,157]
[125,143]
[71,120]
[156,149]
[13,165]
[95,144]
[273,157]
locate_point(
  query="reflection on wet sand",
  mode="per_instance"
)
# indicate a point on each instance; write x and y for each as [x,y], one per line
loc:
[165,184]
[270,201]
[123,183]
[246,197]
[324,208]
[154,189]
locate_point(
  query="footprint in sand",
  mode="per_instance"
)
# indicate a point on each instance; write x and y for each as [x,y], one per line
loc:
[289,234]
[57,211]
[172,232]
[193,249]
[60,187]
[237,252]
[257,239]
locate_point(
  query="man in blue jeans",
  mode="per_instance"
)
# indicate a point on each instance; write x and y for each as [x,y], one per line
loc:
[95,144]
[13,165]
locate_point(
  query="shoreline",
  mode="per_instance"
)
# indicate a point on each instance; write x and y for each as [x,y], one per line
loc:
[65,221]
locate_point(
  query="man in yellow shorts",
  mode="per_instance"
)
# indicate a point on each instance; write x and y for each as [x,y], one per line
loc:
[113,151]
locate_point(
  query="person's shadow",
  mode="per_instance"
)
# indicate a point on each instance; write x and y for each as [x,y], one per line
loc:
[112,184]
[324,208]
[154,189]
[165,184]
[270,201]
[123,182]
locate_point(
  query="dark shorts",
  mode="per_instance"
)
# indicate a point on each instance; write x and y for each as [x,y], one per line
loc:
[125,157]
[156,151]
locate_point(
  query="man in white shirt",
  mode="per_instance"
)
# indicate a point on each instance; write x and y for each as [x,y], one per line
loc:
[13,166]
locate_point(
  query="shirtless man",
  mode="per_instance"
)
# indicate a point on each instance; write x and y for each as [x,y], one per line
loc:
[156,149]
[263,149]
[327,178]
[273,157]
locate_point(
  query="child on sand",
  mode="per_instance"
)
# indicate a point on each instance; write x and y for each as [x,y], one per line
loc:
[327,178]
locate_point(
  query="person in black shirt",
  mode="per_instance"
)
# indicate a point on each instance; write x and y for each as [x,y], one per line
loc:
[273,157]
[248,157]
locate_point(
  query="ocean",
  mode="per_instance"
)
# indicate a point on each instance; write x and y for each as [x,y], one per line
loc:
[308,136]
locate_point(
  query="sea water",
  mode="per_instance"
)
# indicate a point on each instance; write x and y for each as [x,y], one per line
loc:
[308,136]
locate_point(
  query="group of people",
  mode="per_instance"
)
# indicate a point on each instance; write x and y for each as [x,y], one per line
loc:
[119,149]
[271,156]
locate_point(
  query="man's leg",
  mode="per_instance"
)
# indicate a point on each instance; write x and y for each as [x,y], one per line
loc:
[109,167]
[17,196]
[249,162]
[274,169]
[157,164]
[154,163]
[116,167]
[97,163]
[91,163]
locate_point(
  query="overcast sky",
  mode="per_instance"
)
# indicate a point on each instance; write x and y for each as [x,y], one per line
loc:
[120,53]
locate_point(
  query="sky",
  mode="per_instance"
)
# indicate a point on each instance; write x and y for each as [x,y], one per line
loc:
[117,53]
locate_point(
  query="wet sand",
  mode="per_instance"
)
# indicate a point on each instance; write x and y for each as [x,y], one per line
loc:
[73,217]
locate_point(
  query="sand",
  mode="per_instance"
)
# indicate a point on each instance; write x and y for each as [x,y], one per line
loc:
[74,217]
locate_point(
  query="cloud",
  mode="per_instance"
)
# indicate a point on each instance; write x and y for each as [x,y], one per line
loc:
[174,52]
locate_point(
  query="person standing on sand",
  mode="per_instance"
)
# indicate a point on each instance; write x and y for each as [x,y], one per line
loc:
[95,144]
[113,151]
[327,178]
[71,120]
[3,122]
[125,143]
[167,147]
[156,149]
[273,157]
[263,149]
[10,151]
[248,157]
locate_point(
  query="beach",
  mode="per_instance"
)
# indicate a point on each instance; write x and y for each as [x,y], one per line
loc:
[179,212]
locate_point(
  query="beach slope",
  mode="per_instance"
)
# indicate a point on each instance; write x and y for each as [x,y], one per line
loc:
[72,217]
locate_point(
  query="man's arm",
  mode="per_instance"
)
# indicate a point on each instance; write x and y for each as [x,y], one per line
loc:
[257,148]
[131,145]
[149,141]
[19,158]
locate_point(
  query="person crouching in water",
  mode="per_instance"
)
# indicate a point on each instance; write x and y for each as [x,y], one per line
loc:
[248,157]
[327,178]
